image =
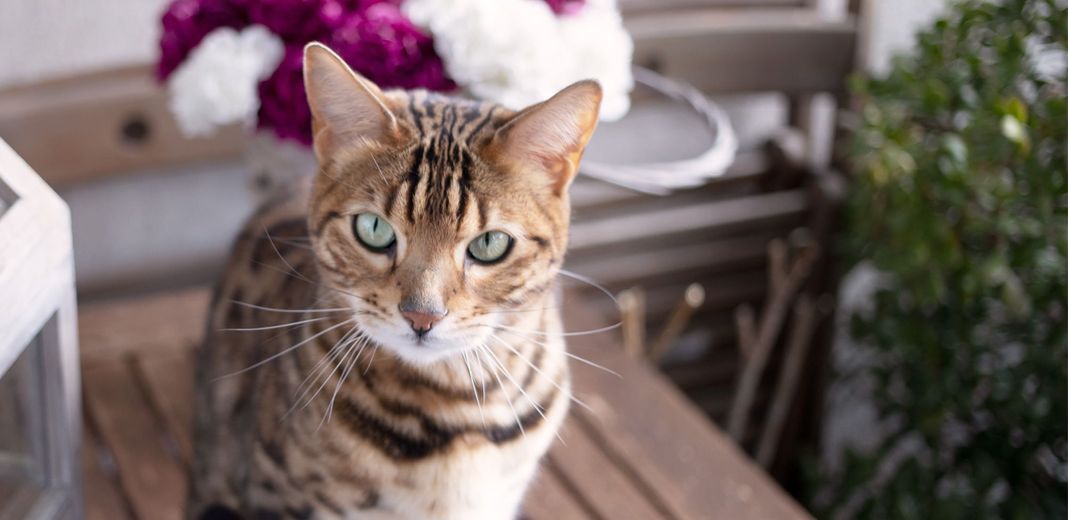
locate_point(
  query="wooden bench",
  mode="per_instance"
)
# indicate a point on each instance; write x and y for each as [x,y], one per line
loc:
[644,452]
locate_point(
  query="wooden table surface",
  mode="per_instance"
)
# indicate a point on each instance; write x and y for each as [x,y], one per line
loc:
[643,453]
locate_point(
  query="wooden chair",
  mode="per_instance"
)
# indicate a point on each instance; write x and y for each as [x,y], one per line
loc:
[783,184]
[103,127]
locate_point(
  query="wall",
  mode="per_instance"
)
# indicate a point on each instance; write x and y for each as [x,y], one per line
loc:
[47,38]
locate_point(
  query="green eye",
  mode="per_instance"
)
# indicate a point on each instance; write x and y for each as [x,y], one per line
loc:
[373,231]
[490,246]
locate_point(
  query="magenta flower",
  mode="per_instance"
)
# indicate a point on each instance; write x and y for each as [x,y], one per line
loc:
[565,7]
[186,22]
[382,44]
[298,20]
[283,105]
[373,36]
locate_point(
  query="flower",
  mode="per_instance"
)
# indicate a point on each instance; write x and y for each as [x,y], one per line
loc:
[565,6]
[216,85]
[298,21]
[382,44]
[283,105]
[186,22]
[600,48]
[517,52]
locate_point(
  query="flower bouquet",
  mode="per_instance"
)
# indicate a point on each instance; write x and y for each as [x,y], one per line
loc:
[239,61]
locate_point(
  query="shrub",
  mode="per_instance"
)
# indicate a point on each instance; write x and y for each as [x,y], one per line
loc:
[959,198]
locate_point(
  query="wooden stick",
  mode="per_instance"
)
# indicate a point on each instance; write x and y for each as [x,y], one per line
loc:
[632,314]
[745,323]
[692,298]
[804,324]
[776,266]
[771,320]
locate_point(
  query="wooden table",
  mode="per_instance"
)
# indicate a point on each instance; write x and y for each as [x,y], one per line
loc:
[643,453]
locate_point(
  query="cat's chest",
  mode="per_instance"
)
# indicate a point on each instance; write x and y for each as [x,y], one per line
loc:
[482,482]
[473,480]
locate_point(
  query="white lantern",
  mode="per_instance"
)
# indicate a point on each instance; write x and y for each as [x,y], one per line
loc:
[40,404]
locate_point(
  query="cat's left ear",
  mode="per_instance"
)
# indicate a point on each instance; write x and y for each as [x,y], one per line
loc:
[550,136]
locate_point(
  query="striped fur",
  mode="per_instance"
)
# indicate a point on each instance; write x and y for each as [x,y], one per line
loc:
[361,420]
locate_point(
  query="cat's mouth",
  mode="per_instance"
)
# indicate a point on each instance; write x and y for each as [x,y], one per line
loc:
[424,348]
[425,339]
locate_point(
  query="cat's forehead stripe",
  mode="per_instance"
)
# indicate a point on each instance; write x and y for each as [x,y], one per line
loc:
[438,184]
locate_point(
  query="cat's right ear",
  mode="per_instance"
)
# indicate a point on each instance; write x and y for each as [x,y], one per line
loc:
[346,108]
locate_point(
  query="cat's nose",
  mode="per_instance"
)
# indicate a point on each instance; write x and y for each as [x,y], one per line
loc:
[422,319]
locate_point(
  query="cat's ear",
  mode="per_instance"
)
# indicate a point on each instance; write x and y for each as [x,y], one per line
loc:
[346,107]
[551,135]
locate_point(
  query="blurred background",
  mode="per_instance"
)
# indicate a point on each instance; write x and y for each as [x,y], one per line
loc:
[870,300]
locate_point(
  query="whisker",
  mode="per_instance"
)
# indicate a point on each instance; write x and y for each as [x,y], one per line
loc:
[294,243]
[305,279]
[482,368]
[295,311]
[568,393]
[340,358]
[277,252]
[581,359]
[500,384]
[349,348]
[272,327]
[508,375]
[300,238]
[371,360]
[336,350]
[513,311]
[537,407]
[474,390]
[284,352]
[565,334]
[590,282]
[570,355]
[379,168]
[341,380]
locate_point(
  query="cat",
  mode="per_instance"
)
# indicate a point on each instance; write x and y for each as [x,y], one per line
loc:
[398,351]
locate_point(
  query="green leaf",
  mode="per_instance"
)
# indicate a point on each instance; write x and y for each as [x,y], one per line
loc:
[1014,131]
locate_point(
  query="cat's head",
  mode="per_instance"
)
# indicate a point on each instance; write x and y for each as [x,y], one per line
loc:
[439,218]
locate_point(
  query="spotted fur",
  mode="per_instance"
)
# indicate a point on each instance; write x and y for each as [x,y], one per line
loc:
[354,415]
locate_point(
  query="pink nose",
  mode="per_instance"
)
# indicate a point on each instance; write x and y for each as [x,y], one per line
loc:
[422,322]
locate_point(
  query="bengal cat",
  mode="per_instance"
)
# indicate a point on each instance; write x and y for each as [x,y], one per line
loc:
[398,353]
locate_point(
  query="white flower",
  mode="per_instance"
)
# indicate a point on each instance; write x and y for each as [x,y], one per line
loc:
[518,52]
[216,85]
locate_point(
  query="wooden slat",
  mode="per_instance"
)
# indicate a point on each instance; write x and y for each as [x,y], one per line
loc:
[103,500]
[102,124]
[597,478]
[548,499]
[159,322]
[722,293]
[631,7]
[786,50]
[168,378]
[152,480]
[713,476]
[634,460]
[589,194]
[705,215]
[701,257]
